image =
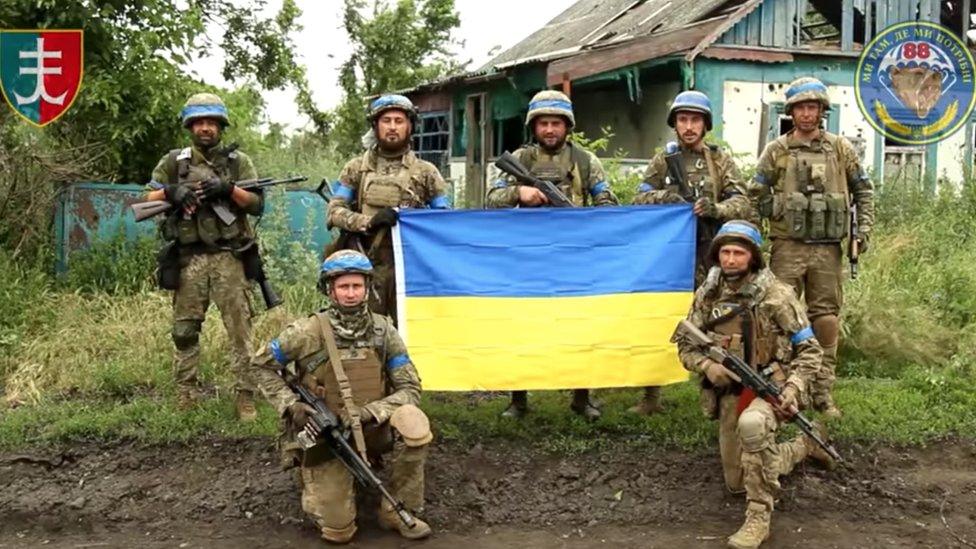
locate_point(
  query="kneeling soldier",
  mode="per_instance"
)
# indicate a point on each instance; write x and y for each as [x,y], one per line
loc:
[355,361]
[751,313]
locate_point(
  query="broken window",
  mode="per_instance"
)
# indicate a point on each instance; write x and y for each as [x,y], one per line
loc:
[509,135]
[903,164]
[432,139]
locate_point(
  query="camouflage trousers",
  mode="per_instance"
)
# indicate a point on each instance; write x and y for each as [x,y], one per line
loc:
[763,459]
[815,271]
[328,492]
[218,278]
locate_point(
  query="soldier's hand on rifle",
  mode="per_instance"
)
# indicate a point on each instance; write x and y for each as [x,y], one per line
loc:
[214,188]
[716,373]
[789,402]
[299,413]
[531,196]
[704,207]
[364,416]
[181,196]
[862,243]
[387,217]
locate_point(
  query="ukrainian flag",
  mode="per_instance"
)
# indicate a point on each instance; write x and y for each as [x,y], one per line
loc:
[544,298]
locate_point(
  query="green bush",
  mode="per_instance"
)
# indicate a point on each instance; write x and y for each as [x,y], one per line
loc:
[915,299]
[115,266]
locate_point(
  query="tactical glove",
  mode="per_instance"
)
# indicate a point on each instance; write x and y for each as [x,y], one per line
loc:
[704,207]
[789,402]
[716,373]
[214,188]
[364,416]
[299,413]
[180,196]
[387,217]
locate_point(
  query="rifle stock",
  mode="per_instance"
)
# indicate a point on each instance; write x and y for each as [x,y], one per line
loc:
[754,380]
[152,208]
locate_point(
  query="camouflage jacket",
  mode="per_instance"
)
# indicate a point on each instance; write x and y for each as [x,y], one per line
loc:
[770,172]
[504,192]
[303,338]
[726,189]
[781,324]
[420,186]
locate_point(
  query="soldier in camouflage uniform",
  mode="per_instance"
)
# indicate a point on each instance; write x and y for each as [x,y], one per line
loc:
[578,174]
[747,310]
[388,175]
[807,181]
[194,179]
[381,403]
[713,181]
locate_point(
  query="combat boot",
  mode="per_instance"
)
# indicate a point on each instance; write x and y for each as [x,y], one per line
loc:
[829,409]
[815,451]
[244,404]
[650,404]
[390,521]
[583,406]
[754,530]
[519,406]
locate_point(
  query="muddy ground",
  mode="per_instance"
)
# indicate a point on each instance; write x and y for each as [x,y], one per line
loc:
[228,493]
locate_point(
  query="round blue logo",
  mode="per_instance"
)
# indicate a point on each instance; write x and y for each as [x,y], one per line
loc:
[914,82]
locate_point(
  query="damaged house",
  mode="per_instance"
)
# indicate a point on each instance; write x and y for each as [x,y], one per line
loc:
[622,62]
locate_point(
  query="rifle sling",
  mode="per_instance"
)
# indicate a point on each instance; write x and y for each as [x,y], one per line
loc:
[344,388]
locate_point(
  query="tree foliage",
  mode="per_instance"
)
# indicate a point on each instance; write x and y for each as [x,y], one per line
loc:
[133,86]
[396,46]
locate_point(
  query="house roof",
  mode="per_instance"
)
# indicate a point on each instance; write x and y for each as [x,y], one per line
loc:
[595,23]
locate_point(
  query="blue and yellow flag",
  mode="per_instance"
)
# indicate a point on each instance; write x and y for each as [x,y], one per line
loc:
[544,298]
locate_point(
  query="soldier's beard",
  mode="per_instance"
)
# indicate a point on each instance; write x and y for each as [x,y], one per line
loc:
[205,142]
[388,147]
[736,275]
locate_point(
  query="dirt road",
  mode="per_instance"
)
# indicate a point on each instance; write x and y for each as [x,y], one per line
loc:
[228,493]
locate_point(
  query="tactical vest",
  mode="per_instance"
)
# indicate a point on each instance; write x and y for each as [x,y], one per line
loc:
[733,323]
[568,172]
[810,200]
[378,191]
[203,226]
[702,174]
[361,362]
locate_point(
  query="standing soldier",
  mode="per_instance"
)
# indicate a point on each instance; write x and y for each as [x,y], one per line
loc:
[710,180]
[388,175]
[745,309]
[808,180]
[377,398]
[578,174]
[207,249]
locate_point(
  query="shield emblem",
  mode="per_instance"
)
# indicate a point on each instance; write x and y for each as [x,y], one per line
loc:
[40,72]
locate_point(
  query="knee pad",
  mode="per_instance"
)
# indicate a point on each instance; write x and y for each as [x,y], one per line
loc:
[827,329]
[412,424]
[753,431]
[186,333]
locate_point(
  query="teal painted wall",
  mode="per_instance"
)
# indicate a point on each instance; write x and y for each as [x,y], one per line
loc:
[88,213]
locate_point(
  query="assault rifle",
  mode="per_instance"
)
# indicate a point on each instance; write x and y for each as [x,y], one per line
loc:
[754,380]
[324,426]
[151,208]
[511,165]
[853,245]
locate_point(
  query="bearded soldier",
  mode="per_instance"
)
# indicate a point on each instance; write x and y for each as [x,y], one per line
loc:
[578,174]
[748,311]
[388,175]
[710,180]
[808,180]
[377,399]
[207,249]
